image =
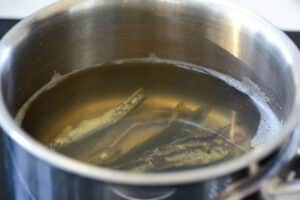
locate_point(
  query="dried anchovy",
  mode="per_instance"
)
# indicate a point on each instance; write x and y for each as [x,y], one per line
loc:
[88,127]
[217,133]
[112,153]
[196,150]
[196,147]
[169,130]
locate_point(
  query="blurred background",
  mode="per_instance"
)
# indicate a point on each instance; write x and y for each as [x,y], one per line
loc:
[285,14]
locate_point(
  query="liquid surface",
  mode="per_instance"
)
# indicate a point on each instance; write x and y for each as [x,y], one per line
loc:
[147,117]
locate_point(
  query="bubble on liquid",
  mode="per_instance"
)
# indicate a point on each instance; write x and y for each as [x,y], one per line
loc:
[56,77]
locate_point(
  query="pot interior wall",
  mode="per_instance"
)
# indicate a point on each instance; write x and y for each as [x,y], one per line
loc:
[193,32]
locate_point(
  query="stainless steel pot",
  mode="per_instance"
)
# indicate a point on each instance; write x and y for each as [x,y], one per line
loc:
[74,34]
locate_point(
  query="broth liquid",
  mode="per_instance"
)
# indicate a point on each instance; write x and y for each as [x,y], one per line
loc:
[188,118]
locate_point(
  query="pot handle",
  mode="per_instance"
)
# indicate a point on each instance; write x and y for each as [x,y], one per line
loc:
[284,186]
[282,191]
[262,179]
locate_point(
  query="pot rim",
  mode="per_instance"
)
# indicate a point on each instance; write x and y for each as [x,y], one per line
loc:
[62,162]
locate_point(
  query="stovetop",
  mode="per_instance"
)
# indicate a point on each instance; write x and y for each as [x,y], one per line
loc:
[6,24]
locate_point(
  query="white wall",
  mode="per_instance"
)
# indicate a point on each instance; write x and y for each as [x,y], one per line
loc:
[283,13]
[21,8]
